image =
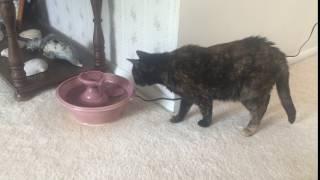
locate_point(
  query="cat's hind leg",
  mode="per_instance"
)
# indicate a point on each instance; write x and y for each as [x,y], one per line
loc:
[206,111]
[185,106]
[257,107]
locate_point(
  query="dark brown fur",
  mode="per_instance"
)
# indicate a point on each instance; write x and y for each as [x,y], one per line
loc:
[243,70]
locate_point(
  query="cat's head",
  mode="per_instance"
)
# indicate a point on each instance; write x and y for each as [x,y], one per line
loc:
[147,69]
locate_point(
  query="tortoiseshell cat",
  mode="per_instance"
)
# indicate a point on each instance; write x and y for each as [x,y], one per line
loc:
[243,70]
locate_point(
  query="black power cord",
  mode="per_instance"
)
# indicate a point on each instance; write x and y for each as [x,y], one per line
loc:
[177,99]
[310,35]
[157,99]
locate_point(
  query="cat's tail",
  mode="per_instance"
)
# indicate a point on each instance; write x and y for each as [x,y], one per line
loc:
[283,89]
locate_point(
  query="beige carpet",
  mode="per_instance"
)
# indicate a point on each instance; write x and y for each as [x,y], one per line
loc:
[39,141]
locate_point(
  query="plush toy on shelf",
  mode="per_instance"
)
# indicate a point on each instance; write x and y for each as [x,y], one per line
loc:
[31,34]
[56,49]
[49,46]
[35,66]
[5,52]
[53,48]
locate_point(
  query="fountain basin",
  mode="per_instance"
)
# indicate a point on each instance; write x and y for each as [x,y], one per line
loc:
[118,90]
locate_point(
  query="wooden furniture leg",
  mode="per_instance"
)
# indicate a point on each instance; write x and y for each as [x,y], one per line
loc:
[16,63]
[13,69]
[98,38]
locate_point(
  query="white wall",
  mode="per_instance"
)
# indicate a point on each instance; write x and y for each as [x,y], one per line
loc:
[149,25]
[285,22]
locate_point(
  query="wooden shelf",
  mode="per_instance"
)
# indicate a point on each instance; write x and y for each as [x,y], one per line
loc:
[58,70]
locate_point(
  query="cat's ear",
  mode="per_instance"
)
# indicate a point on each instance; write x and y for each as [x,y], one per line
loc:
[133,61]
[142,54]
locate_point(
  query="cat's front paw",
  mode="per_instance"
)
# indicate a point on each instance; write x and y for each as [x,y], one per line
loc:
[175,119]
[204,123]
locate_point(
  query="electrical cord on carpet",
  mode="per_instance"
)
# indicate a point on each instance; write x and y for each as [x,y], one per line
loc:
[177,99]
[157,99]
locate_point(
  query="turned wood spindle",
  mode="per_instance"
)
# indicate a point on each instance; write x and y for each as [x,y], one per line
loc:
[98,38]
[18,75]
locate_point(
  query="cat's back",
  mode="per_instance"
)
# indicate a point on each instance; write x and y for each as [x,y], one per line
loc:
[225,68]
[241,56]
[255,48]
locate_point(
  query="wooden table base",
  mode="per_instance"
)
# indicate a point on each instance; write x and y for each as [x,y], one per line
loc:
[58,71]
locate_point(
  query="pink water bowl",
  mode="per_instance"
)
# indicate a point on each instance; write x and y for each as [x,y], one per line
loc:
[94,97]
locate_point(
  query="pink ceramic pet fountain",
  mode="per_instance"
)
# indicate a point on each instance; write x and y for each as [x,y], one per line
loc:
[94,94]
[95,97]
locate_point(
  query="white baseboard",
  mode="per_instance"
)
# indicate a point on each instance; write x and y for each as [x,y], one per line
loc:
[303,55]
